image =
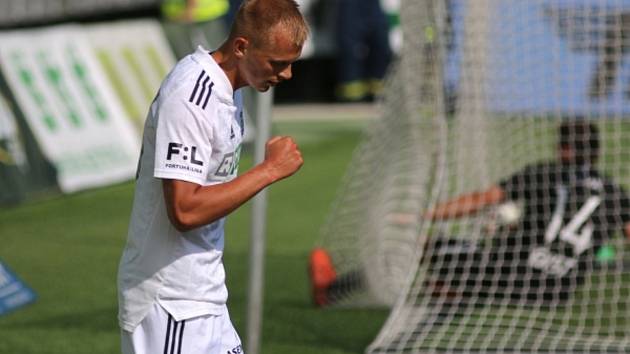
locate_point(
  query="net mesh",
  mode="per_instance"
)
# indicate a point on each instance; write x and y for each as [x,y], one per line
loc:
[372,227]
[510,119]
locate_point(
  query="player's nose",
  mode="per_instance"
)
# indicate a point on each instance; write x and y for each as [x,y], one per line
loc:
[286,74]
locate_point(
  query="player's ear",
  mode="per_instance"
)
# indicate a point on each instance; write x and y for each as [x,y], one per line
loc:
[240,46]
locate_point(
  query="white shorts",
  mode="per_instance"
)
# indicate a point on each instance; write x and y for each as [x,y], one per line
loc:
[159,333]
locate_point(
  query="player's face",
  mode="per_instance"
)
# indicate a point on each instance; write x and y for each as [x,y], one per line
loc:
[270,64]
[569,155]
[566,154]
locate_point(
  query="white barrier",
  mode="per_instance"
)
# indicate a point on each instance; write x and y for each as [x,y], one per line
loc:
[84,91]
[70,106]
[135,57]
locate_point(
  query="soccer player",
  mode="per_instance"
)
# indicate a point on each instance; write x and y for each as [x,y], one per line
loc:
[570,210]
[171,280]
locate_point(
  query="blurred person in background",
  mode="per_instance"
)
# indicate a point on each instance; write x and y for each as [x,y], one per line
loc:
[234,5]
[189,23]
[363,49]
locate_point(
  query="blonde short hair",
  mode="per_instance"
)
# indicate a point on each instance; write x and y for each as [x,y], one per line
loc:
[256,19]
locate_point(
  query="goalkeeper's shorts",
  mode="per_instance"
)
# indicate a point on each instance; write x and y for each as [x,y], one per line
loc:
[474,273]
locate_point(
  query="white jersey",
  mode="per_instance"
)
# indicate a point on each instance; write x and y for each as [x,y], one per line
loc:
[193,133]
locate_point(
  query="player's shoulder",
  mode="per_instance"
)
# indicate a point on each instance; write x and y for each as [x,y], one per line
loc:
[537,168]
[533,174]
[183,78]
[546,169]
[195,80]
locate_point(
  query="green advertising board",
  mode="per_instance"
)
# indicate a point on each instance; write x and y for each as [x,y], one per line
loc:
[135,57]
[69,105]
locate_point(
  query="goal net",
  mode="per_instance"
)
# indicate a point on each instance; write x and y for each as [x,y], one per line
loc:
[371,232]
[506,230]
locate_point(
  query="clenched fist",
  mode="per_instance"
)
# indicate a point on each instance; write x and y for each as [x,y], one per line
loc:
[282,157]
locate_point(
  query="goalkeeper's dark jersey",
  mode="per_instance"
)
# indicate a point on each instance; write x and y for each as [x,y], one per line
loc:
[569,212]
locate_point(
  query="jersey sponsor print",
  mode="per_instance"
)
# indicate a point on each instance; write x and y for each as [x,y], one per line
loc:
[186,153]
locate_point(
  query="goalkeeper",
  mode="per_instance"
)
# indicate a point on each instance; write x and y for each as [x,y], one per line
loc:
[569,210]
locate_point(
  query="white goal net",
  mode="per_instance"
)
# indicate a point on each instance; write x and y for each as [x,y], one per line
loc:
[371,233]
[516,241]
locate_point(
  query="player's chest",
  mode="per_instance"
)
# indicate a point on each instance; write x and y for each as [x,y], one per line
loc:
[226,140]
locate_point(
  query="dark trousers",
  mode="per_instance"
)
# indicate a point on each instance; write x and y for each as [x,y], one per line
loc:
[363,50]
[465,273]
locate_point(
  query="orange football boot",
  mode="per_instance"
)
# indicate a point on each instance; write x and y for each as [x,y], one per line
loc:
[322,273]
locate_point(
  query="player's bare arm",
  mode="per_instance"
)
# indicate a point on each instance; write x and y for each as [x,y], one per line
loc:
[626,230]
[190,205]
[467,204]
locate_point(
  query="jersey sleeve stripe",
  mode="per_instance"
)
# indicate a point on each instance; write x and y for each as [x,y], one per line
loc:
[181,337]
[192,96]
[168,334]
[205,103]
[203,90]
[173,337]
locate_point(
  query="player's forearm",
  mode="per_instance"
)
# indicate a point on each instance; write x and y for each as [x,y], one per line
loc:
[190,205]
[205,204]
[465,205]
[468,204]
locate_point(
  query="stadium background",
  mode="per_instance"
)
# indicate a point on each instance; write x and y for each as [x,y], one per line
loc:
[64,63]
[63,235]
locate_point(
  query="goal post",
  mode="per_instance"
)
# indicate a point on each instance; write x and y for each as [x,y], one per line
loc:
[524,108]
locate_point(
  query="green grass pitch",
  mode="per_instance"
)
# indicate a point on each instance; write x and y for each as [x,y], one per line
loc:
[67,249]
